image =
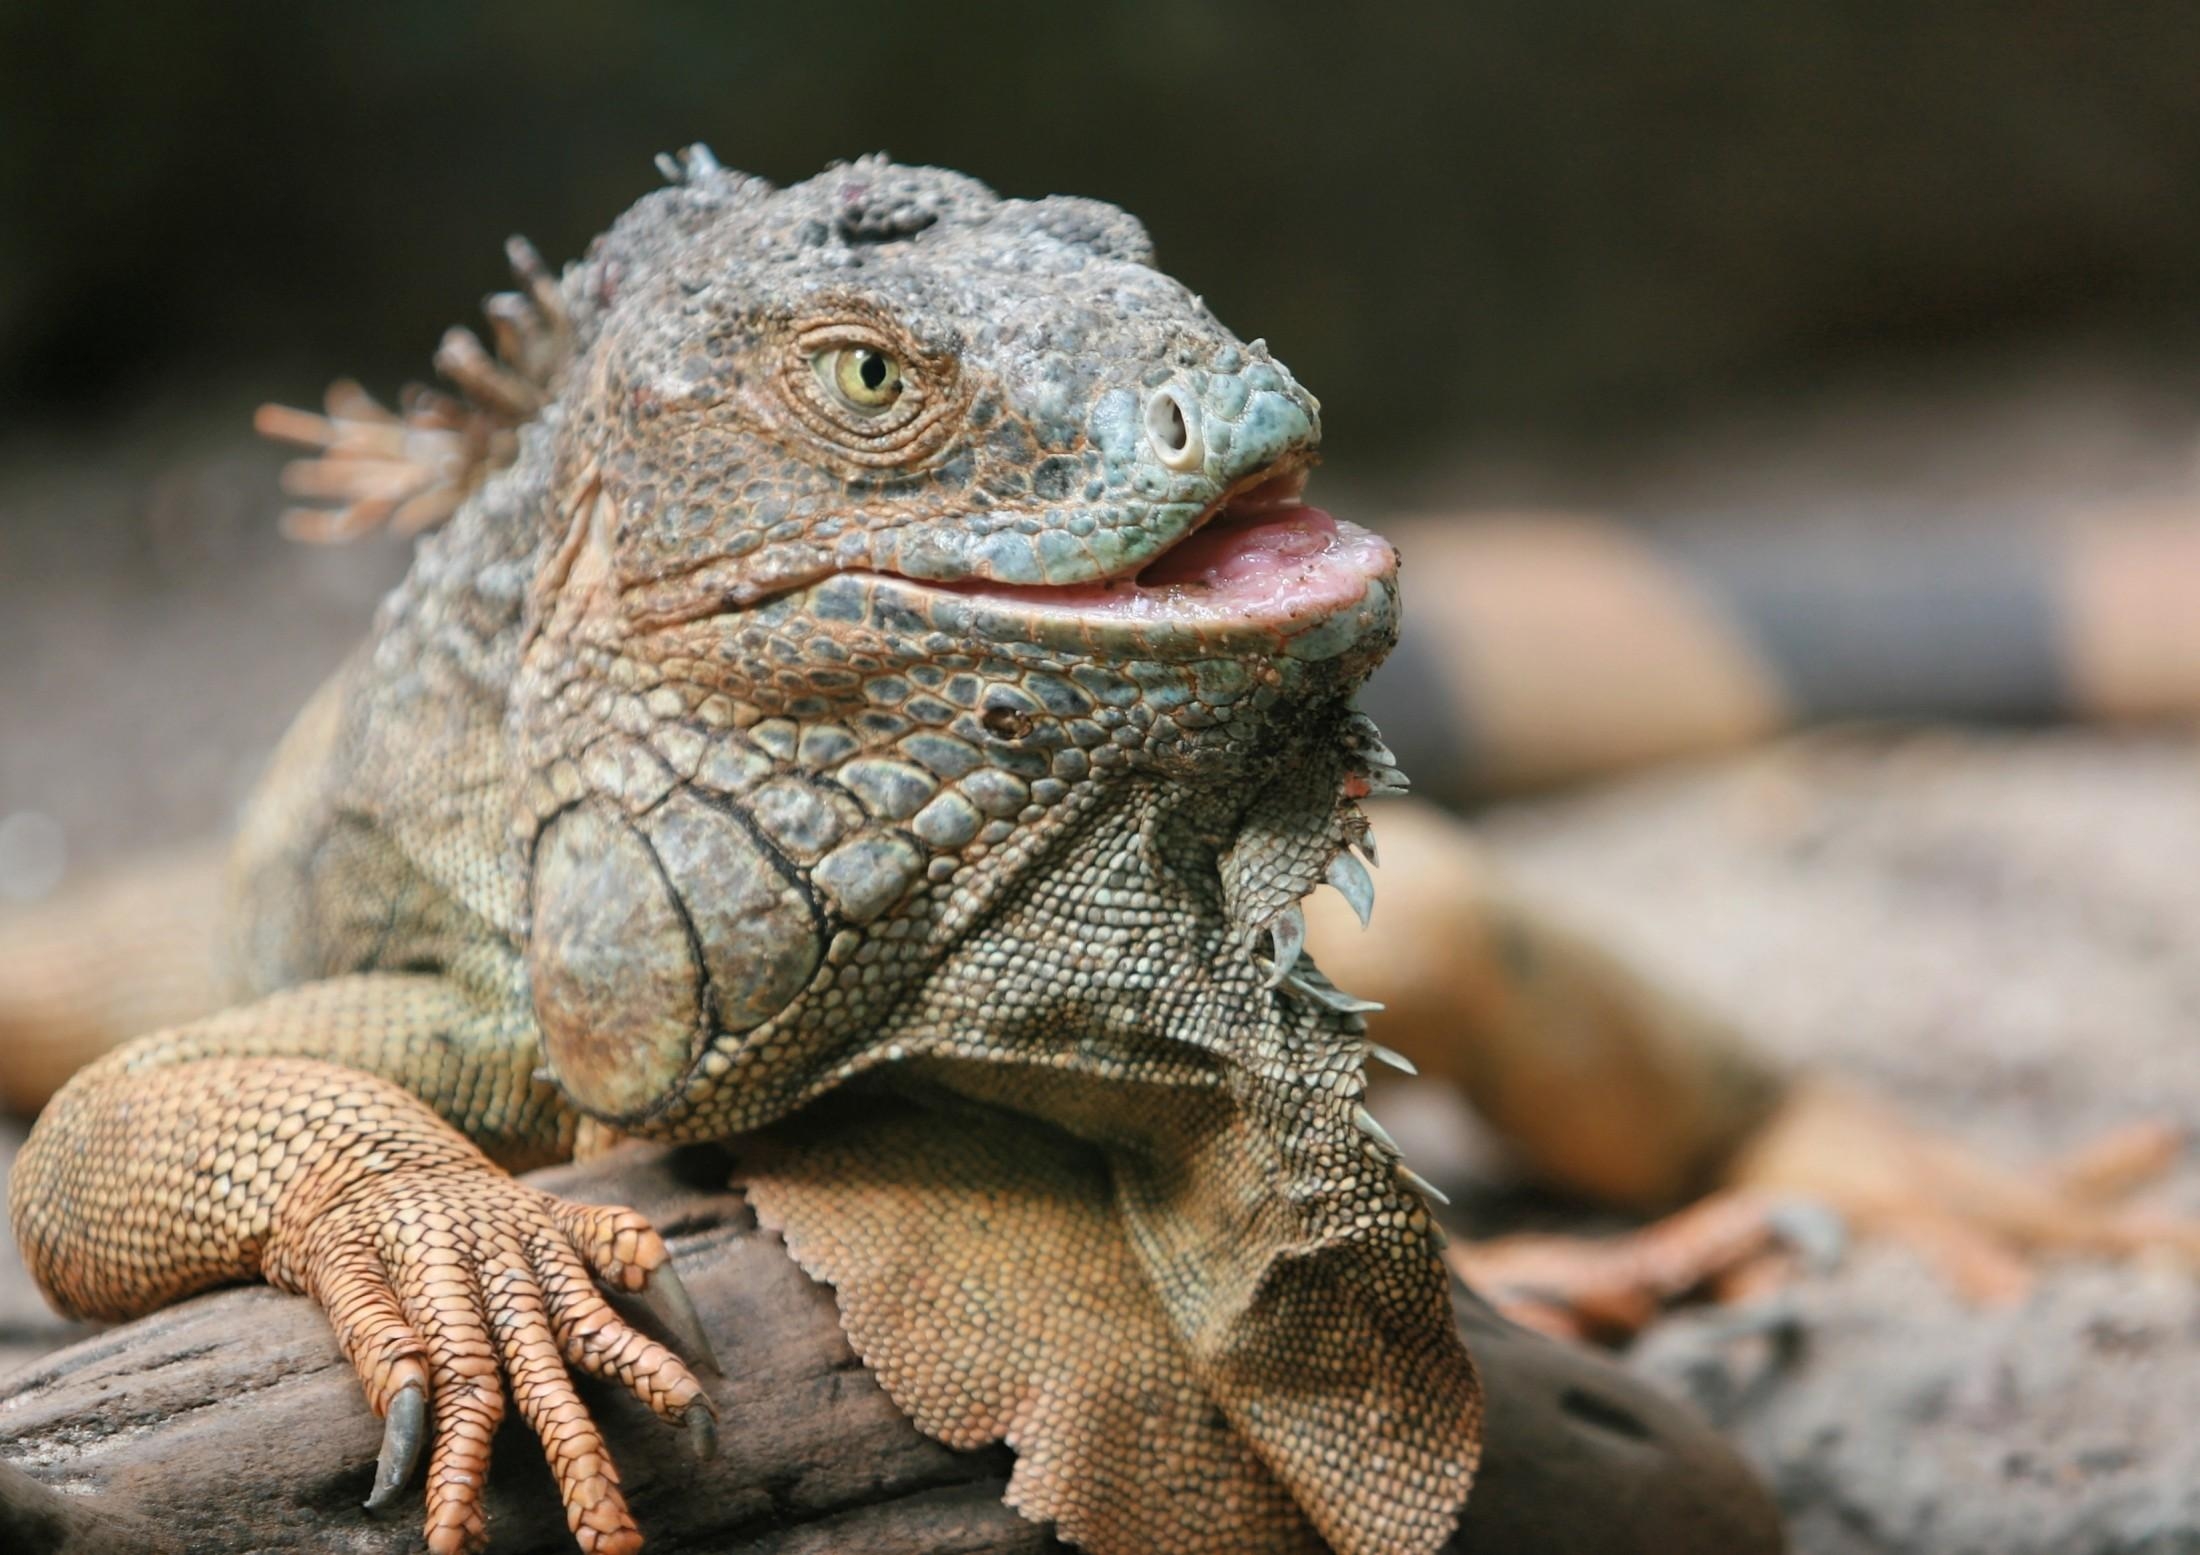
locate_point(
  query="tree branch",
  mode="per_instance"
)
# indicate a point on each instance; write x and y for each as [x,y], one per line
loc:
[231,1423]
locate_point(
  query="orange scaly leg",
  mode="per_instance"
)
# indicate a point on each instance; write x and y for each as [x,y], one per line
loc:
[219,1152]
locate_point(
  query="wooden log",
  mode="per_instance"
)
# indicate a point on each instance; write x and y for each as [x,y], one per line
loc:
[230,1423]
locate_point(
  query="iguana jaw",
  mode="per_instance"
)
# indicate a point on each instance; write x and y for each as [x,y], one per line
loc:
[1260,572]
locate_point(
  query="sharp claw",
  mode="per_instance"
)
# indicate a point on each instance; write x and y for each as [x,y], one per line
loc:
[1777,1317]
[1351,879]
[669,1303]
[1813,1229]
[701,1424]
[1288,932]
[404,1429]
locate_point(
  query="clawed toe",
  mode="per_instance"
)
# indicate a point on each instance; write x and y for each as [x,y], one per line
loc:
[702,1427]
[1609,1288]
[1982,1224]
[454,1297]
[667,1300]
[404,1432]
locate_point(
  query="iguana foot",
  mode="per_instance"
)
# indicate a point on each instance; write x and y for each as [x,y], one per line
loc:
[449,1287]
[1609,1288]
[1982,1224]
[1829,1162]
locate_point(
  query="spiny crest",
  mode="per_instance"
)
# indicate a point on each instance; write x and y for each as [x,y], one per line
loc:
[692,165]
[873,200]
[410,468]
[1278,858]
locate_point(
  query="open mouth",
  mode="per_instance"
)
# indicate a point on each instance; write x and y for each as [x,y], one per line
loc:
[1263,558]
[1260,571]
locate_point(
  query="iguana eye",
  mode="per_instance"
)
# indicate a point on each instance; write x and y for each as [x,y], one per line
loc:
[866,380]
[866,388]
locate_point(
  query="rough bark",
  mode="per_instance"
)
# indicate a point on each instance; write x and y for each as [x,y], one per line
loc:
[230,1423]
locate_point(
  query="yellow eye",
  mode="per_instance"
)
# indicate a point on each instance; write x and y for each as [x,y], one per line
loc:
[867,381]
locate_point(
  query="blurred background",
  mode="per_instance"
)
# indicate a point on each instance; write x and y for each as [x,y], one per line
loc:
[1815,305]
[1460,221]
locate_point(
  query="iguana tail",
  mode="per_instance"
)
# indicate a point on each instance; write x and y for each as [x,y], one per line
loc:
[1548,648]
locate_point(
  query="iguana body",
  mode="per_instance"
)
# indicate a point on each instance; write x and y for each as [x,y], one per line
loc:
[782,727]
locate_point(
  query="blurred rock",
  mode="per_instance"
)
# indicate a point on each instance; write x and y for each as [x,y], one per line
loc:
[2004,932]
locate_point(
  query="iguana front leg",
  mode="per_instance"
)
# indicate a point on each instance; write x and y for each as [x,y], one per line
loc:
[285,1141]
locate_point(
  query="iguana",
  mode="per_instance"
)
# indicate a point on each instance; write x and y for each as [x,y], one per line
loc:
[870,690]
[883,658]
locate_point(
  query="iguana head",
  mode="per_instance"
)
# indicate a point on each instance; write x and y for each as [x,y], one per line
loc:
[883,527]
[836,431]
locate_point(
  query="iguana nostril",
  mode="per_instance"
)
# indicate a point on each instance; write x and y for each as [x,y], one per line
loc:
[1172,426]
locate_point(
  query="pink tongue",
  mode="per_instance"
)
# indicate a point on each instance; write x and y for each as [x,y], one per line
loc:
[1229,553]
[1289,564]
